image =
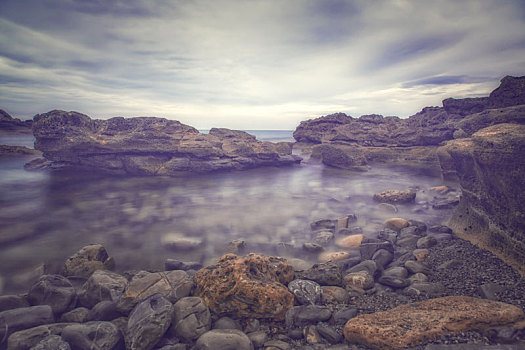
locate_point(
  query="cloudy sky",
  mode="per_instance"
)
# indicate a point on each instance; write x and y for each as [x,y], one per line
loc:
[253,64]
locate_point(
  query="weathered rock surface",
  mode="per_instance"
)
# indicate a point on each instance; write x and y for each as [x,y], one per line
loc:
[26,339]
[18,151]
[87,260]
[10,125]
[411,324]
[491,170]
[92,335]
[148,146]
[191,318]
[395,196]
[341,156]
[55,291]
[15,320]
[224,339]
[250,286]
[171,284]
[102,285]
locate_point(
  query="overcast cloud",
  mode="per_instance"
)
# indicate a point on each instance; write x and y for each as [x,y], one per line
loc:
[253,64]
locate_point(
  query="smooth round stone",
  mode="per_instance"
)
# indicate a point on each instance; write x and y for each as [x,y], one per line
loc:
[410,231]
[358,280]
[312,247]
[396,224]
[335,295]
[426,242]
[383,257]
[329,333]
[418,277]
[420,254]
[227,323]
[333,256]
[394,282]
[258,338]
[395,196]
[224,339]
[396,271]
[368,265]
[55,291]
[415,267]
[352,241]
[350,231]
[342,316]
[104,311]
[326,274]
[299,316]
[305,291]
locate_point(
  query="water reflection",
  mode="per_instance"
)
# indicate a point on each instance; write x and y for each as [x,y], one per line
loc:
[57,214]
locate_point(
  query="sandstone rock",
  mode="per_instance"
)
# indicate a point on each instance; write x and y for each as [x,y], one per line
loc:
[92,335]
[102,285]
[396,224]
[305,291]
[191,318]
[173,285]
[148,322]
[341,156]
[333,256]
[55,291]
[352,241]
[250,286]
[15,320]
[87,260]
[491,169]
[395,196]
[412,324]
[224,339]
[148,146]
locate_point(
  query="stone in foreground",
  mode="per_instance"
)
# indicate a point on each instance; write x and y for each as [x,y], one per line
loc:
[412,324]
[87,260]
[250,286]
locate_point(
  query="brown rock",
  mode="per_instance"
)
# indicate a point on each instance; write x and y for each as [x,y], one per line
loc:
[395,196]
[396,224]
[250,286]
[411,324]
[333,256]
[352,241]
[87,260]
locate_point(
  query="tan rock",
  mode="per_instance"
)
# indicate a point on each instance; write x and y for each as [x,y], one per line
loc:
[411,324]
[420,254]
[334,294]
[396,224]
[87,260]
[333,256]
[250,286]
[352,241]
[358,280]
[395,196]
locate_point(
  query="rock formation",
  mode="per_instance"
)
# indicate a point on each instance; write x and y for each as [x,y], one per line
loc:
[490,166]
[12,125]
[148,146]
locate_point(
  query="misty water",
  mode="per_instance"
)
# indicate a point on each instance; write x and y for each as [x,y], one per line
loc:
[54,215]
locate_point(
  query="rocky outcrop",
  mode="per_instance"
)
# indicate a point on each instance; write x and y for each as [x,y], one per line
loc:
[17,151]
[148,146]
[412,324]
[491,170]
[10,125]
[251,286]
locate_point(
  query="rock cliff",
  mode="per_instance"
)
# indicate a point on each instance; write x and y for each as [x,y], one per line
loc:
[148,146]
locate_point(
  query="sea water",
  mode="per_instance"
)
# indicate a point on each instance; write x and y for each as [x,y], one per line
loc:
[44,218]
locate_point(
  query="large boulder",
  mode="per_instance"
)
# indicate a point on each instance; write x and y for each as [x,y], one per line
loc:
[491,170]
[93,335]
[102,285]
[250,286]
[15,320]
[55,291]
[87,260]
[411,324]
[148,146]
[340,156]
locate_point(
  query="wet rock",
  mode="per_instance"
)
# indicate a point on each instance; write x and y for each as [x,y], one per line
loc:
[312,247]
[191,318]
[52,342]
[277,345]
[334,295]
[411,324]
[224,339]
[424,288]
[92,335]
[55,291]
[387,207]
[447,203]
[304,315]
[343,315]
[173,264]
[323,238]
[15,320]
[257,282]
[171,284]
[396,224]
[383,257]
[324,224]
[396,271]
[351,241]
[394,282]
[102,285]
[417,267]
[356,230]
[370,245]
[258,338]
[369,266]
[311,335]
[426,242]
[87,260]
[305,291]
[9,302]
[226,322]
[326,274]
[333,256]
[28,338]
[77,315]
[418,277]
[395,196]
[329,333]
[104,311]
[411,231]
[148,322]
[440,229]
[358,280]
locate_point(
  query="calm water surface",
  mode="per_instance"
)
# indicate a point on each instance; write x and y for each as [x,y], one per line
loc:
[131,216]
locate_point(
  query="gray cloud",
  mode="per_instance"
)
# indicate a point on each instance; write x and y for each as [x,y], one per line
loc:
[253,64]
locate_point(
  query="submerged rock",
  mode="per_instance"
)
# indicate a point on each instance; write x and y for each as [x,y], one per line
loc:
[395,196]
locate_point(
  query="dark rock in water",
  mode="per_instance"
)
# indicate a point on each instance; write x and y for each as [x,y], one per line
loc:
[92,335]
[445,203]
[369,266]
[148,146]
[425,288]
[326,274]
[395,196]
[55,291]
[305,291]
[12,321]
[226,322]
[426,242]
[324,224]
[334,295]
[383,257]
[172,264]
[173,285]
[148,322]
[52,342]
[342,316]
[440,229]
[369,246]
[78,315]
[323,238]
[224,339]
[104,311]
[30,338]
[8,302]
[329,333]
[312,247]
[417,267]
[250,286]
[87,260]
[102,286]
[394,282]
[491,170]
[396,271]
[304,315]
[191,318]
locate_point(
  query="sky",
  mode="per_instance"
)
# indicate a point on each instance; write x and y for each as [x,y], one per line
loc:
[253,64]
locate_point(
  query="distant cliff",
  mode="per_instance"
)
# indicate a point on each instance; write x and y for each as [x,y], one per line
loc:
[12,125]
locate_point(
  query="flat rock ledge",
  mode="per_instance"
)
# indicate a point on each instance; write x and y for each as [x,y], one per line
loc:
[147,146]
[414,323]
